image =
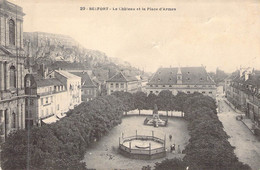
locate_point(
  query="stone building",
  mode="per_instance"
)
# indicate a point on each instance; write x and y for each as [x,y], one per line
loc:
[44,100]
[182,79]
[120,82]
[73,86]
[12,72]
[90,85]
[244,93]
[50,95]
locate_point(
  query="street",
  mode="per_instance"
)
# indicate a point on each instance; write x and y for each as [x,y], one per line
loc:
[247,146]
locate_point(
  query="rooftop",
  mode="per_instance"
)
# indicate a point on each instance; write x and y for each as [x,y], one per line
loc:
[190,75]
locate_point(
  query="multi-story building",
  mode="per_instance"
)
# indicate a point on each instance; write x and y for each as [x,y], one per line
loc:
[50,95]
[182,79]
[120,82]
[73,86]
[90,85]
[12,72]
[244,93]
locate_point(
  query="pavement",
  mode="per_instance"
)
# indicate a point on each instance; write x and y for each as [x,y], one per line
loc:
[247,146]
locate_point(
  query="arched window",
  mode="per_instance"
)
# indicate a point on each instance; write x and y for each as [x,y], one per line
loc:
[12,77]
[11,32]
[13,120]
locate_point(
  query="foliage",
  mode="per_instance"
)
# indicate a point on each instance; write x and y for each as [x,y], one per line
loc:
[62,145]
[167,164]
[140,100]
[127,100]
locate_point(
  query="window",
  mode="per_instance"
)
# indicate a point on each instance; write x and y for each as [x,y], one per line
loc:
[203,92]
[47,112]
[188,92]
[122,85]
[201,79]
[117,85]
[151,85]
[13,120]
[151,91]
[156,86]
[170,85]
[28,83]
[31,101]
[58,107]
[210,92]
[46,100]
[11,32]
[163,85]
[157,92]
[41,101]
[42,113]
[188,78]
[12,77]
[159,79]
[51,98]
[111,85]
[111,91]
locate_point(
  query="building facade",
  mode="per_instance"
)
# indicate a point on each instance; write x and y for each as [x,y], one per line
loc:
[12,72]
[244,93]
[49,96]
[90,85]
[120,82]
[73,86]
[182,79]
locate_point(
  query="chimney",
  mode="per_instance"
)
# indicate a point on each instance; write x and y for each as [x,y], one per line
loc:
[42,69]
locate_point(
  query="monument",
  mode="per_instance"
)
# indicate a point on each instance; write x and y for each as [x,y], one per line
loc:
[155,119]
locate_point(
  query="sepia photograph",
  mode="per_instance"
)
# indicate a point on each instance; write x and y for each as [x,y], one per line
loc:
[128,84]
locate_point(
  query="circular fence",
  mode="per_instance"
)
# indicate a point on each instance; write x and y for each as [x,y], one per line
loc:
[142,146]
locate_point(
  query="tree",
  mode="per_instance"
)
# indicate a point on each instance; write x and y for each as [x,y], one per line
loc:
[165,100]
[151,100]
[167,164]
[140,100]
[127,100]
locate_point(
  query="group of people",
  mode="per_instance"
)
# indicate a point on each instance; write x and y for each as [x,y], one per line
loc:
[172,147]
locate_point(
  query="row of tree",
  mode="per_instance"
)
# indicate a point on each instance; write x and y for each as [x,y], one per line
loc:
[208,146]
[165,100]
[62,145]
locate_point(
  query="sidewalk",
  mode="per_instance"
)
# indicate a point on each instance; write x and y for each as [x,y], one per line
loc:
[249,124]
[246,121]
[232,106]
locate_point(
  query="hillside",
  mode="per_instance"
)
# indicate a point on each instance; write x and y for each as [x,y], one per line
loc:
[61,51]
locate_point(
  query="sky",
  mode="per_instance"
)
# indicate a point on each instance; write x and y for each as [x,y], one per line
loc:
[214,34]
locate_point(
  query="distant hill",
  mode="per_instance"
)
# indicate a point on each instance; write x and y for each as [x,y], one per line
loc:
[62,51]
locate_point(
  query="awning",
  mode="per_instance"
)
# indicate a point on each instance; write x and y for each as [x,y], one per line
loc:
[61,115]
[50,120]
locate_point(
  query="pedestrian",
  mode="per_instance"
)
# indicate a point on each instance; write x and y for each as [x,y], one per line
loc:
[179,149]
[170,137]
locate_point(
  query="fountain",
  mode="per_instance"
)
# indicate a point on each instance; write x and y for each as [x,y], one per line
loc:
[155,119]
